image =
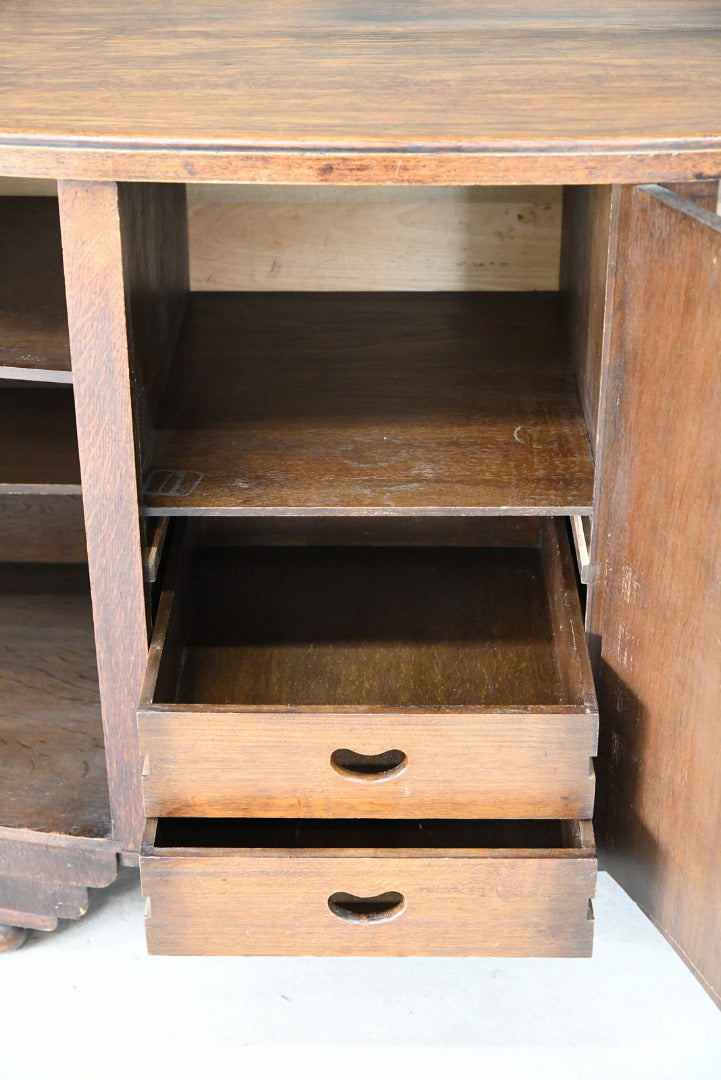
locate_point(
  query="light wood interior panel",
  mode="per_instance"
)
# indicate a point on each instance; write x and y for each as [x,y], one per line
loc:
[396,238]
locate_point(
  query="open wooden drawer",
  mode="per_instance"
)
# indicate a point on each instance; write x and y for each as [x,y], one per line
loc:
[392,888]
[394,681]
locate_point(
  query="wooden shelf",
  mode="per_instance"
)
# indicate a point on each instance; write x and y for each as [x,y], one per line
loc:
[34,342]
[38,442]
[324,404]
[52,766]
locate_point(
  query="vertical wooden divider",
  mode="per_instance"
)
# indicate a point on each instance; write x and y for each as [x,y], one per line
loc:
[116,308]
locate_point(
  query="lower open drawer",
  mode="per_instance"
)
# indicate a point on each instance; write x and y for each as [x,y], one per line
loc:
[393,888]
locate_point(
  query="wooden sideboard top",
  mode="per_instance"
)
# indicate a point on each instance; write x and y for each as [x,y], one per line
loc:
[489,91]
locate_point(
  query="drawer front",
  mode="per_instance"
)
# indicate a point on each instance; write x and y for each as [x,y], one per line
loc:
[430,904]
[266,764]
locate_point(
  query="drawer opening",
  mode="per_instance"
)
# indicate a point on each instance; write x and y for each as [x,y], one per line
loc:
[372,628]
[314,833]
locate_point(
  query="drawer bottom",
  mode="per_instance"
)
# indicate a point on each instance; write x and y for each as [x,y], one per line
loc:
[394,888]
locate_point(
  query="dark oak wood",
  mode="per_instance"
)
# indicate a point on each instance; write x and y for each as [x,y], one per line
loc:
[660,595]
[58,858]
[585,241]
[421,93]
[363,531]
[371,403]
[369,620]
[55,831]
[553,91]
[45,877]
[44,528]
[471,888]
[33,318]
[45,901]
[52,767]
[266,662]
[38,444]
[154,231]
[704,193]
[96,292]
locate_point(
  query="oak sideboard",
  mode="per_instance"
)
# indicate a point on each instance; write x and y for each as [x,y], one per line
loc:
[344,610]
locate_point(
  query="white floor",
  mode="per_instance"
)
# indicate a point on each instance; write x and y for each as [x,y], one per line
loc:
[87,1002]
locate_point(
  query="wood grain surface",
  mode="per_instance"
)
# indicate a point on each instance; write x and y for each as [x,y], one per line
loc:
[42,528]
[38,904]
[96,292]
[704,193]
[38,443]
[660,517]
[34,340]
[514,900]
[62,858]
[264,663]
[388,239]
[585,242]
[153,225]
[443,403]
[235,762]
[597,88]
[44,877]
[52,766]
[395,628]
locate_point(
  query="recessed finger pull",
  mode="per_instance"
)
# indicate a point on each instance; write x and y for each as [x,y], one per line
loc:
[371,767]
[365,909]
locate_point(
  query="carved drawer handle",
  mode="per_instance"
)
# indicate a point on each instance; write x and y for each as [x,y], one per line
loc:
[367,767]
[366,909]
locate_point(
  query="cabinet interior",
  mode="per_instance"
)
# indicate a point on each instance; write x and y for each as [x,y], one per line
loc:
[53,775]
[419,402]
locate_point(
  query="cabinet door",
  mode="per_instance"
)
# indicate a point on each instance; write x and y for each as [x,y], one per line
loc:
[658,606]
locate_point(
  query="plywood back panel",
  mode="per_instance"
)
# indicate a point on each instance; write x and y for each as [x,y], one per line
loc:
[405,238]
